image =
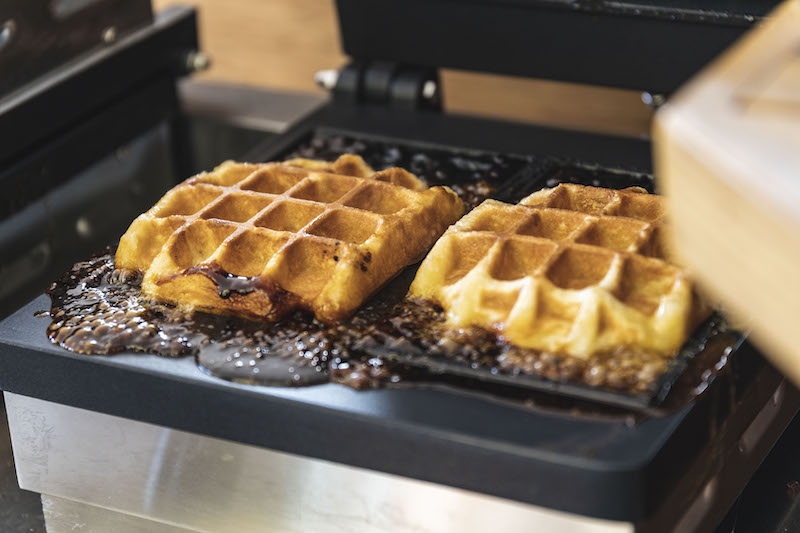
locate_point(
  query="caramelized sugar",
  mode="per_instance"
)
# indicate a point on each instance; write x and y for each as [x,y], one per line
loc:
[99,310]
[473,176]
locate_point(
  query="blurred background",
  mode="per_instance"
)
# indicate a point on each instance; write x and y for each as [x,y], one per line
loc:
[279,44]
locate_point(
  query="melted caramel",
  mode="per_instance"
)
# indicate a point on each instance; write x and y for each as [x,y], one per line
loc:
[99,310]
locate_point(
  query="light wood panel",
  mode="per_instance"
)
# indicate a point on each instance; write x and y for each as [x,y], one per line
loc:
[275,43]
[566,105]
[281,43]
[728,154]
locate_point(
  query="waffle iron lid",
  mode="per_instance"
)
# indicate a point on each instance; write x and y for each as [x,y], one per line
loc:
[652,46]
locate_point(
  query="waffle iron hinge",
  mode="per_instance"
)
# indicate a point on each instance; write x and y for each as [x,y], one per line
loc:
[384,83]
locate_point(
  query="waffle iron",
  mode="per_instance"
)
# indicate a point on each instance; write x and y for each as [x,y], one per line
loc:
[591,460]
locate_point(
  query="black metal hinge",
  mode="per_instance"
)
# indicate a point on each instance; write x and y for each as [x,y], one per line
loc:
[384,82]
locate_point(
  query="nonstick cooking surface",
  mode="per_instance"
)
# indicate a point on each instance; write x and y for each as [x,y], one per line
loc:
[391,341]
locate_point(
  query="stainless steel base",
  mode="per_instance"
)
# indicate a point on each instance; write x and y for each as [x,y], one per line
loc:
[67,516]
[105,473]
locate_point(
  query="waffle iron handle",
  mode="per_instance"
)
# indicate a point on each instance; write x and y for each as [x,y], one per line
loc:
[727,156]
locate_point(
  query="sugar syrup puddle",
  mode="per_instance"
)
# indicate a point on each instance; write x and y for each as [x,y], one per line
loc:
[98,310]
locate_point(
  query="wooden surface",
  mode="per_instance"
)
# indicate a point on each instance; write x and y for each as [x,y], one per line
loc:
[281,43]
[728,159]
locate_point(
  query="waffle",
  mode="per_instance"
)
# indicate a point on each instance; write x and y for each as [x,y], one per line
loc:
[575,270]
[263,240]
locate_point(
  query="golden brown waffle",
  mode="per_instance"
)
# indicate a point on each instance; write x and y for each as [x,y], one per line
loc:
[574,270]
[263,240]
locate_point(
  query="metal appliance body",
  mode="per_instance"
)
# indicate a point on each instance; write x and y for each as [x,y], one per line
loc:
[101,468]
[99,123]
[576,467]
[149,443]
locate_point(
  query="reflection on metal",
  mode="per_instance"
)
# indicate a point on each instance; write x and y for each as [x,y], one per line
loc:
[429,89]
[7,31]
[197,61]
[327,78]
[67,516]
[204,484]
[83,227]
[109,35]
[653,100]
[64,8]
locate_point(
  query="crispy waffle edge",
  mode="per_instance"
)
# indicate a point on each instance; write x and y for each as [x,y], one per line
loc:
[575,270]
[290,229]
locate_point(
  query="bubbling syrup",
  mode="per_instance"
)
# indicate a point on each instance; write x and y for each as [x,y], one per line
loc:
[97,309]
